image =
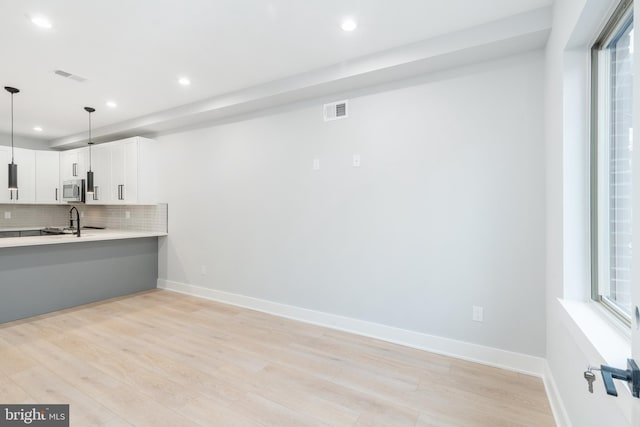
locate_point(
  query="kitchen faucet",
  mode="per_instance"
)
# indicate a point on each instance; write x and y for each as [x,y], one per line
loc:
[77,219]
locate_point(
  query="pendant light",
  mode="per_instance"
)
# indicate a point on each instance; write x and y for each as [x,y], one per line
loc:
[13,168]
[90,172]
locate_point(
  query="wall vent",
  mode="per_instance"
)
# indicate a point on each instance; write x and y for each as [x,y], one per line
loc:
[67,75]
[336,110]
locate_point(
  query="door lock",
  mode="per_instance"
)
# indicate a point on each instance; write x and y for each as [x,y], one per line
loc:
[631,375]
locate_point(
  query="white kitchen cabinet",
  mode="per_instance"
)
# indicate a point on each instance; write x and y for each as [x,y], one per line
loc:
[48,177]
[5,159]
[26,161]
[134,171]
[124,174]
[74,164]
[28,173]
[83,162]
[101,167]
[148,171]
[68,165]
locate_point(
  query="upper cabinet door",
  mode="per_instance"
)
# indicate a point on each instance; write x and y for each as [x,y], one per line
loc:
[124,171]
[5,159]
[74,164]
[83,162]
[69,168]
[26,161]
[48,177]
[101,167]
[148,171]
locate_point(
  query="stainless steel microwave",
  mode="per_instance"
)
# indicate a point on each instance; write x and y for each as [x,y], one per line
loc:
[73,191]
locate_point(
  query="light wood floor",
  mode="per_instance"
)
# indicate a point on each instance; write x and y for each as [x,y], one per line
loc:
[165,359]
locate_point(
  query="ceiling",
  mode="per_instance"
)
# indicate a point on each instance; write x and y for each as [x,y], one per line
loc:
[133,52]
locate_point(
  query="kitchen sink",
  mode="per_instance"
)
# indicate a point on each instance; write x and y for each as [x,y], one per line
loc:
[68,235]
[24,233]
[52,232]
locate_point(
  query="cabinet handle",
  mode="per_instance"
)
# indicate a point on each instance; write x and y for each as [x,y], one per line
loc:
[10,194]
[121,192]
[56,194]
[75,169]
[95,192]
[17,194]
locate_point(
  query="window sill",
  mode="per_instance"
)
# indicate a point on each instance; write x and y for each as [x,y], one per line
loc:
[597,331]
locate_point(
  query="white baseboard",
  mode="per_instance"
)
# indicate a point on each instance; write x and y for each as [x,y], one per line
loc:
[558,409]
[504,359]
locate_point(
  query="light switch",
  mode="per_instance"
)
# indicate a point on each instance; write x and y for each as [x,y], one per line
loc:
[478,314]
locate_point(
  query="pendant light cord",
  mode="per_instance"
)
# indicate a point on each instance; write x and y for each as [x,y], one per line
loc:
[90,143]
[12,128]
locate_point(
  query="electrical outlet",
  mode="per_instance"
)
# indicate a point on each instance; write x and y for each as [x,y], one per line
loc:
[478,314]
[316,164]
[7,215]
[127,214]
[356,160]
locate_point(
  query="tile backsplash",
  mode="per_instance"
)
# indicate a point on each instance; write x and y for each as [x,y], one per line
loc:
[33,215]
[120,217]
[129,217]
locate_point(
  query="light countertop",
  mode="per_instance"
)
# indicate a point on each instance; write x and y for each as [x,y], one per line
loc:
[88,235]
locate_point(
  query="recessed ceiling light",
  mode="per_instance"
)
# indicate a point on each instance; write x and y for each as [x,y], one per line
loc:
[184,81]
[111,104]
[349,25]
[41,21]
[37,128]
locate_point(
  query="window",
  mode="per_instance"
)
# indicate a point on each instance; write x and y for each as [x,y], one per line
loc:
[611,168]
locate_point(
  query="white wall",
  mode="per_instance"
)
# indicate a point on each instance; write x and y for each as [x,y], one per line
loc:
[446,211]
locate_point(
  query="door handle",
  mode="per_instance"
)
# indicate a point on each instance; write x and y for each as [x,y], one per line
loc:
[631,375]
